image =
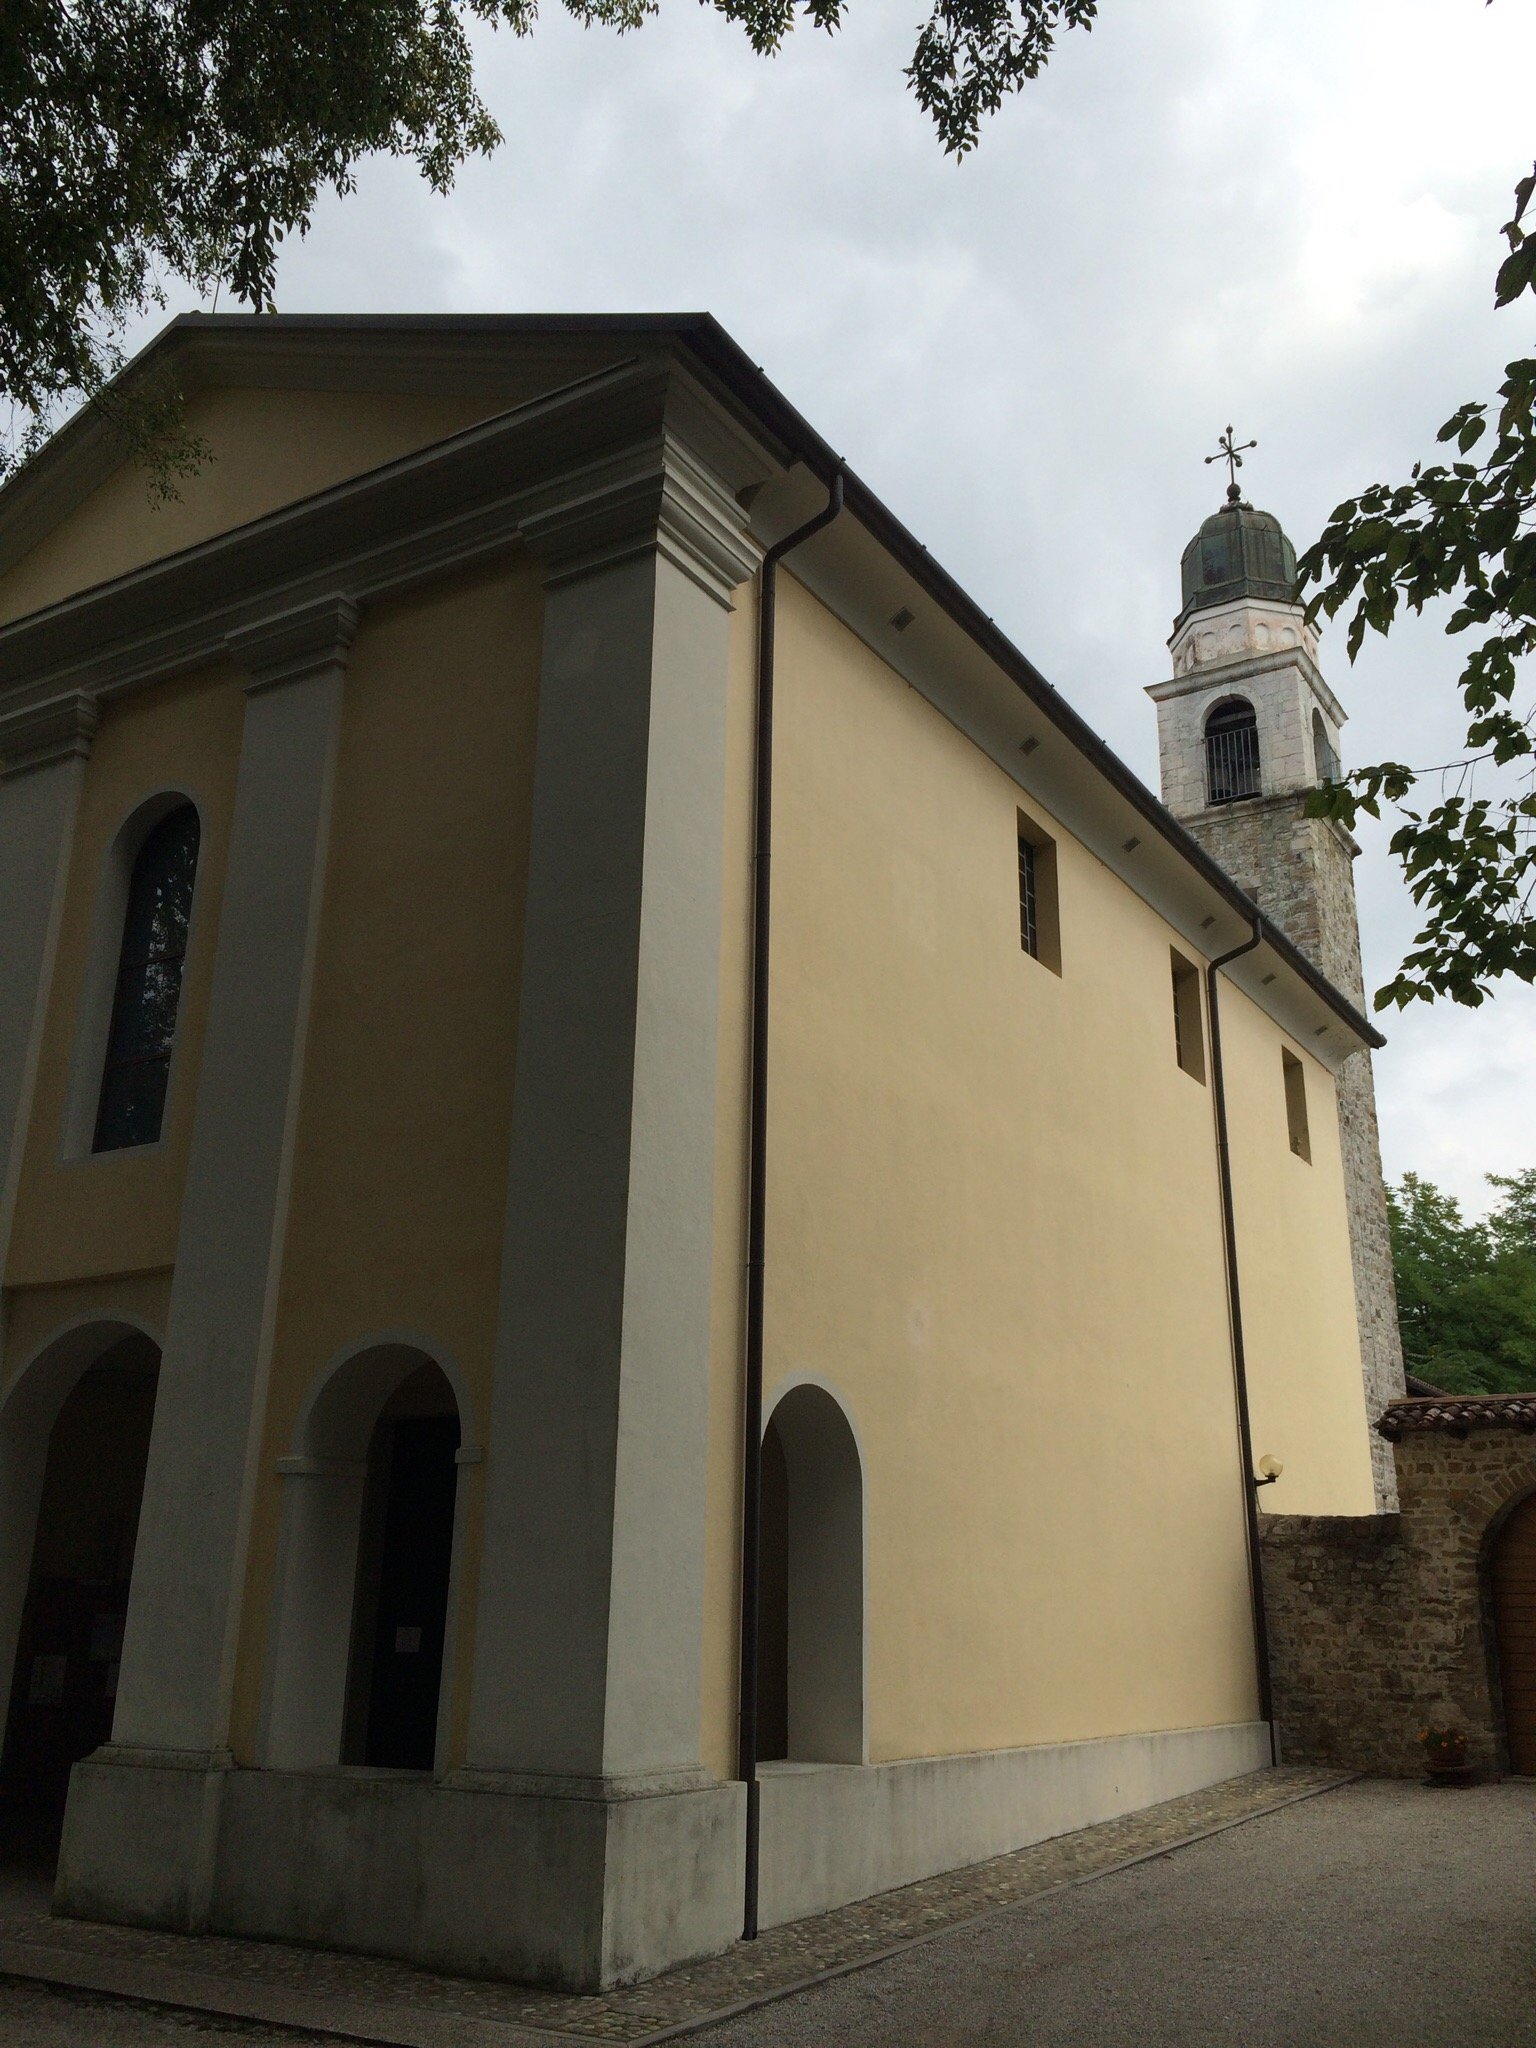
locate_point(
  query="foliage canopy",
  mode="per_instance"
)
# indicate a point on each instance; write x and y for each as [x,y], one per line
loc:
[1466,1292]
[1464,531]
[146,140]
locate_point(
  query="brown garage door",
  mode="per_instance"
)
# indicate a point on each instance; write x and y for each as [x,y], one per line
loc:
[1514,1615]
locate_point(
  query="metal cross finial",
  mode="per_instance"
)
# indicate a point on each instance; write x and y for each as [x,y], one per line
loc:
[1231,453]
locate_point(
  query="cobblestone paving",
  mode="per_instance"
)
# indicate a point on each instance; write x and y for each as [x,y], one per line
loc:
[380,2000]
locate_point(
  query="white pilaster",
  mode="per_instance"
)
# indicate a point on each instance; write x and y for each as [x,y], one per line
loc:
[178,1655]
[42,761]
[587,1645]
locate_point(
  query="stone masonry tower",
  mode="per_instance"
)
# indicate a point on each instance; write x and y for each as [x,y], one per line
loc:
[1245,727]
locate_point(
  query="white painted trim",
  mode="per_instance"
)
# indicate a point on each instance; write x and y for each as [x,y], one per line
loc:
[40,734]
[588,1636]
[308,1654]
[122,1325]
[205,1457]
[38,813]
[29,1408]
[390,1339]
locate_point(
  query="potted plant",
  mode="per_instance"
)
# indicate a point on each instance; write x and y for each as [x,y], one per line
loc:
[1445,1756]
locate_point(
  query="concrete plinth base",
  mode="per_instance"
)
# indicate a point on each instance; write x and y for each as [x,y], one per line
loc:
[835,1832]
[573,1884]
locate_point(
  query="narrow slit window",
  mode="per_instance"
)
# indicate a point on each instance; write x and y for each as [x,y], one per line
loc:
[1323,751]
[1296,1104]
[1188,1024]
[147,998]
[1029,908]
[1039,925]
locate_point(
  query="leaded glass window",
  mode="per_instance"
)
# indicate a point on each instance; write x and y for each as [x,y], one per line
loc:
[148,993]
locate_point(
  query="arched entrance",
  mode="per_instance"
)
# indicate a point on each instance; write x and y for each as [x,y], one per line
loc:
[364,1587]
[1513,1585]
[74,1442]
[811,1642]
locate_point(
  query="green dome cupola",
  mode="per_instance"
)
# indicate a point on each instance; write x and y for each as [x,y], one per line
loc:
[1238,553]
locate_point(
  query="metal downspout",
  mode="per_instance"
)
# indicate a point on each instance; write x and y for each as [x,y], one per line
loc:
[757,1193]
[1239,1356]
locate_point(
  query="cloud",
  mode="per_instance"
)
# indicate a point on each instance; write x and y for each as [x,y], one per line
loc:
[1207,210]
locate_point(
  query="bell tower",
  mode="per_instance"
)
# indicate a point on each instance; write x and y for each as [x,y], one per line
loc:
[1246,726]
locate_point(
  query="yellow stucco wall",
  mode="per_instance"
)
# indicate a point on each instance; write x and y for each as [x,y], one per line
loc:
[83,1216]
[399,1177]
[994,1229]
[1307,1397]
[994,1225]
[264,449]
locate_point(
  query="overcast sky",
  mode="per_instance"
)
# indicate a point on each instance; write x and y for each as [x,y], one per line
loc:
[1282,215]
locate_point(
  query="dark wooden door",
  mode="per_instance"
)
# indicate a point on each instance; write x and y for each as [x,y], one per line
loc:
[1514,1616]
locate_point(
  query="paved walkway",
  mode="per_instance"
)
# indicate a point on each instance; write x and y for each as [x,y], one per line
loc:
[334,1996]
[1389,1915]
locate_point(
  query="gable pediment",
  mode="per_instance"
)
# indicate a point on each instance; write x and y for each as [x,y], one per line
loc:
[284,409]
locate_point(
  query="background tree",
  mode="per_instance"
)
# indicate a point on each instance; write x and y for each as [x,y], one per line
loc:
[1466,1292]
[1462,530]
[148,140]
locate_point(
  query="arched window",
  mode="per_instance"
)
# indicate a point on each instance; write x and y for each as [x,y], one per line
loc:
[1322,751]
[1231,752]
[148,992]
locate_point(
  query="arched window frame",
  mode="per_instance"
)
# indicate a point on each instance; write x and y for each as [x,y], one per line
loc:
[29,1408]
[1234,768]
[98,992]
[325,1477]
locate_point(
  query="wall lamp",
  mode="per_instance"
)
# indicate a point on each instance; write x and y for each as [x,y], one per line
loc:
[1269,1471]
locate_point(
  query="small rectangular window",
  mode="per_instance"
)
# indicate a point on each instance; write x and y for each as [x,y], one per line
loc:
[1296,1104]
[1188,1024]
[1039,925]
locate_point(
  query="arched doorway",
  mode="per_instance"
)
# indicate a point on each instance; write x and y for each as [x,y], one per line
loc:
[68,1587]
[811,1630]
[364,1591]
[1513,1583]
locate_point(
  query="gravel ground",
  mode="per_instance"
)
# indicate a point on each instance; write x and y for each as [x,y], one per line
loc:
[1386,1915]
[38,2016]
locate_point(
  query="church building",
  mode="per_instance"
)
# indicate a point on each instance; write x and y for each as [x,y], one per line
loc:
[662,1238]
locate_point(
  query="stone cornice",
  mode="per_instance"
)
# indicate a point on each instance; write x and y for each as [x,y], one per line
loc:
[1219,677]
[675,508]
[58,729]
[1272,800]
[608,462]
[296,643]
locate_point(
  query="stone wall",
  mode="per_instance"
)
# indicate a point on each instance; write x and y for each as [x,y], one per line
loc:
[1379,1624]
